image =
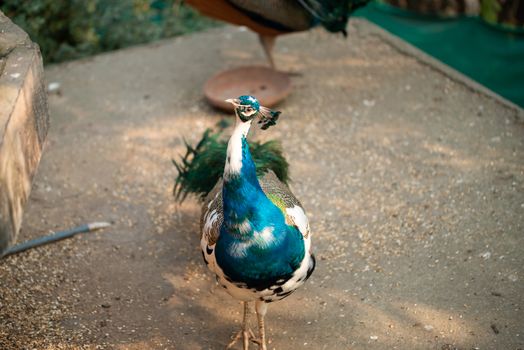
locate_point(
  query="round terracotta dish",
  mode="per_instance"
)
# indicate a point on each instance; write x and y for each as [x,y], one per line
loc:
[267,85]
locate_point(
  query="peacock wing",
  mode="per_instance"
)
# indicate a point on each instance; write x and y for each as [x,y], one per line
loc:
[212,214]
[280,194]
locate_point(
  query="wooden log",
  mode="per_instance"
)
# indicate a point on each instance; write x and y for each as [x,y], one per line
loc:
[24,121]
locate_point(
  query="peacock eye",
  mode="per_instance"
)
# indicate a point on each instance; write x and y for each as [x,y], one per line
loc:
[249,109]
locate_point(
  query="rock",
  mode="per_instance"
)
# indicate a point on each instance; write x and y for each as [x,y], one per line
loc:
[11,36]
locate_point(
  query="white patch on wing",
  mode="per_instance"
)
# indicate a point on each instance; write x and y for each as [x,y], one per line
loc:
[262,239]
[213,200]
[239,249]
[244,227]
[210,220]
[299,218]
[265,237]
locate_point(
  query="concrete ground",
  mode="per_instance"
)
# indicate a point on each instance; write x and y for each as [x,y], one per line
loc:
[413,180]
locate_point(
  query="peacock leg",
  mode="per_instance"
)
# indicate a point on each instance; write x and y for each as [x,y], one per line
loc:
[268,42]
[261,308]
[245,333]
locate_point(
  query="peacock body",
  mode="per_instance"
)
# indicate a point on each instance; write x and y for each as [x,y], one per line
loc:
[264,250]
[255,235]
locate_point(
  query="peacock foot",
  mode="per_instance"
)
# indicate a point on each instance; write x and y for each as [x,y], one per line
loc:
[245,335]
[260,342]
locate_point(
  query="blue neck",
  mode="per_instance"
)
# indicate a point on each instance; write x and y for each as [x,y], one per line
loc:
[243,198]
[246,208]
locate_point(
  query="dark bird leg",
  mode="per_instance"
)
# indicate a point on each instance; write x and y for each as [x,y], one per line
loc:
[261,308]
[245,333]
[268,43]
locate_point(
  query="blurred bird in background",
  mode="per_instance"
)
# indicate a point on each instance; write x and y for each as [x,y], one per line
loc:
[271,18]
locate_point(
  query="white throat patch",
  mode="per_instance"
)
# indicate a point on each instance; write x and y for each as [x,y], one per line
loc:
[234,149]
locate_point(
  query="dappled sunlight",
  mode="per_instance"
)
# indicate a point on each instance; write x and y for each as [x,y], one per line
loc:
[447,156]
[148,143]
[240,55]
[197,287]
[398,63]
[155,342]
[413,322]
[448,326]
[406,143]
[353,323]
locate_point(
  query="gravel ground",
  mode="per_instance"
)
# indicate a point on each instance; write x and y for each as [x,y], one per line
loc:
[413,181]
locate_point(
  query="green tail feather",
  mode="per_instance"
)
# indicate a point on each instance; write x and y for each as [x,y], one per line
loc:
[202,166]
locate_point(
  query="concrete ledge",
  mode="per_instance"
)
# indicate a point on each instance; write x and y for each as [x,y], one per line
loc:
[24,121]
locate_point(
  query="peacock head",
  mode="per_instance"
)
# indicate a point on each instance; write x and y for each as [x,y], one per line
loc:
[248,108]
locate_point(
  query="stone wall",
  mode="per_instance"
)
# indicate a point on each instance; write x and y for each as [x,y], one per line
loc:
[24,120]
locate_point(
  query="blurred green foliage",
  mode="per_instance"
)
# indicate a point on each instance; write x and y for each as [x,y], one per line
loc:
[69,29]
[490,10]
[506,14]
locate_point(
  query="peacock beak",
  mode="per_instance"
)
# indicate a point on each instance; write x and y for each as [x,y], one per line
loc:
[234,101]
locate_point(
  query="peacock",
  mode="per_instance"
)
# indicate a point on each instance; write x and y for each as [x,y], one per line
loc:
[271,18]
[255,235]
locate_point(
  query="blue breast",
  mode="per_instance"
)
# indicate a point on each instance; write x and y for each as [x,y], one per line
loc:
[255,247]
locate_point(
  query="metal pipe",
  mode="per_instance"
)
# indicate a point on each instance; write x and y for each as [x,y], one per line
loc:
[57,236]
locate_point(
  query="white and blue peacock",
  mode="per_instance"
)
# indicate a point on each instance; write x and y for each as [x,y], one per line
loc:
[255,234]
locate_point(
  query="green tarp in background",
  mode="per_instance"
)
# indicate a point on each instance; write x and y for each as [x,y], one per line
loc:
[492,57]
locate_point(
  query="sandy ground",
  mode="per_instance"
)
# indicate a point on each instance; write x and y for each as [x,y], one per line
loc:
[413,181]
